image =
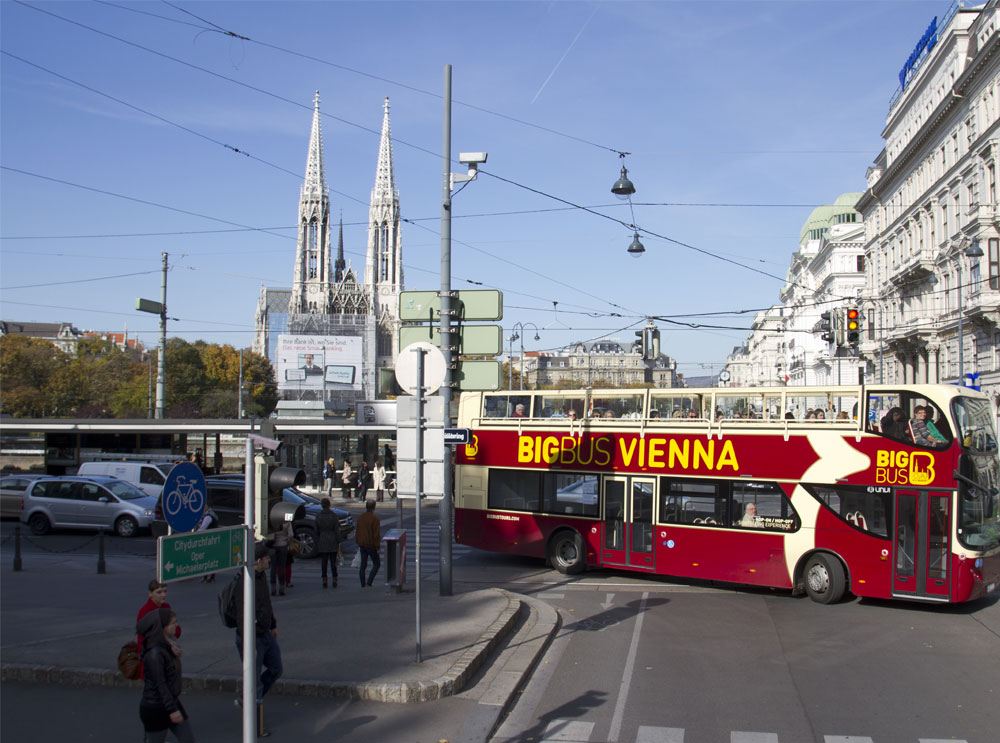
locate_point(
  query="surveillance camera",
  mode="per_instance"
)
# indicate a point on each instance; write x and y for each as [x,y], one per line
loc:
[472,158]
[272,445]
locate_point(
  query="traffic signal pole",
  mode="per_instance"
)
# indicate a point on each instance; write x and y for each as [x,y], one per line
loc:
[445,507]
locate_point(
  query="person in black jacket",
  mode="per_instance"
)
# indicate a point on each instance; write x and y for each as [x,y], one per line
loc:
[160,708]
[265,625]
[327,540]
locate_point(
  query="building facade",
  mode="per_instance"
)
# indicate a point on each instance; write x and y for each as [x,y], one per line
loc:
[329,336]
[598,364]
[825,274]
[933,301]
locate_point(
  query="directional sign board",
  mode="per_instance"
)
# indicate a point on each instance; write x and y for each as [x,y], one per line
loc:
[184,496]
[473,340]
[478,375]
[484,305]
[180,556]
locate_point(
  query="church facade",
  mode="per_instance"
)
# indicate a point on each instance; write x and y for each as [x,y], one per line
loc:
[334,333]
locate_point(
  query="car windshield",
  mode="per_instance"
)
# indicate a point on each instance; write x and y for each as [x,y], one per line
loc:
[124,490]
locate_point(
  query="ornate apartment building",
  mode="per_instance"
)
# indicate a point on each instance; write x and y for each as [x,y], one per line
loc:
[600,363]
[330,334]
[932,237]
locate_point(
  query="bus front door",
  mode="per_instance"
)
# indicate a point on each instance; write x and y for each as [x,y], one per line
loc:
[628,522]
[922,545]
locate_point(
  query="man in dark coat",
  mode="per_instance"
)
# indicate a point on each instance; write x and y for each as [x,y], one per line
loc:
[327,540]
[265,625]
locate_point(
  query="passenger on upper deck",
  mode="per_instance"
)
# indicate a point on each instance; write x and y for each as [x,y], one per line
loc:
[519,411]
[894,424]
[923,428]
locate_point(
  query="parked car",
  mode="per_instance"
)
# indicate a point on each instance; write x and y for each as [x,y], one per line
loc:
[225,496]
[87,503]
[12,490]
[147,476]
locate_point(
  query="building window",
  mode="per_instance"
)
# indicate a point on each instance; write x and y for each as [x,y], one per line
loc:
[861,264]
[871,325]
[994,262]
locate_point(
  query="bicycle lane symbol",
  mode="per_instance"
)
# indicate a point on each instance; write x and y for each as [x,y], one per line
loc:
[184,496]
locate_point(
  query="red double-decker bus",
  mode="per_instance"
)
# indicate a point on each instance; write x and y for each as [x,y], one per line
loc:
[882,491]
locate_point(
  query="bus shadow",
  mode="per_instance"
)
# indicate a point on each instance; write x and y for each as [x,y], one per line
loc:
[613,616]
[964,609]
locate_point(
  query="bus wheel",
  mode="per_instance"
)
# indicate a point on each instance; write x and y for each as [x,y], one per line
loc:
[824,578]
[566,552]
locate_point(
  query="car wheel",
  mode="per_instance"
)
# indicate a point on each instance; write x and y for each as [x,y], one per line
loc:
[566,552]
[307,540]
[126,526]
[824,578]
[39,524]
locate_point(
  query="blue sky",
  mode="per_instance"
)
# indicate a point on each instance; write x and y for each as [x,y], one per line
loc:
[740,118]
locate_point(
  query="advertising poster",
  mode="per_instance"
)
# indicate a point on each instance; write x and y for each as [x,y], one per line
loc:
[319,362]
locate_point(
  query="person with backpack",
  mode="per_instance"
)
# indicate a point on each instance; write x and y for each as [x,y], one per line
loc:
[160,707]
[327,540]
[269,668]
[157,599]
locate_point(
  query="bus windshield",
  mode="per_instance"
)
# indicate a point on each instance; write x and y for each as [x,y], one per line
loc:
[979,517]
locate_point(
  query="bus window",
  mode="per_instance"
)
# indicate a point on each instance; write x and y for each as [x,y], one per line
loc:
[558,406]
[570,492]
[515,490]
[772,510]
[692,502]
[866,508]
[674,406]
[738,407]
[623,405]
[507,406]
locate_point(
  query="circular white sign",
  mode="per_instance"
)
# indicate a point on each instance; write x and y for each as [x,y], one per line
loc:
[406,368]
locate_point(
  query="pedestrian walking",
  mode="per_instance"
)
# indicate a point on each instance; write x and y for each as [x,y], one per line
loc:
[156,599]
[269,666]
[160,707]
[281,537]
[327,540]
[368,535]
[378,480]
[329,472]
[345,479]
[364,481]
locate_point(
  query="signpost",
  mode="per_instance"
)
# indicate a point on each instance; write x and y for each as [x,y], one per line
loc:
[180,556]
[483,305]
[473,340]
[184,496]
[456,436]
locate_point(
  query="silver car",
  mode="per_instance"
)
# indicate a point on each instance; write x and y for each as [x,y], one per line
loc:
[87,503]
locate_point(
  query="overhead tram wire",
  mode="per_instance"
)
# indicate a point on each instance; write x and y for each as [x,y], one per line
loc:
[402,142]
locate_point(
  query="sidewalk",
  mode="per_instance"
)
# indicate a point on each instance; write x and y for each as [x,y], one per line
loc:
[62,623]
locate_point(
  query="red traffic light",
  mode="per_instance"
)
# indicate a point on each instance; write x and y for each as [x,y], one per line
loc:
[852,319]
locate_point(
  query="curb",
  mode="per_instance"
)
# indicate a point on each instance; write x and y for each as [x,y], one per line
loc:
[399,692]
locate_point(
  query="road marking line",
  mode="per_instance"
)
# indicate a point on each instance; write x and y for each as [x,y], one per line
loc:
[941,740]
[651,734]
[568,731]
[616,720]
[851,739]
[739,737]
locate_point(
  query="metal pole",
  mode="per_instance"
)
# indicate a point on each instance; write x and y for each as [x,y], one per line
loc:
[419,456]
[521,357]
[150,415]
[249,602]
[101,567]
[17,549]
[161,361]
[961,350]
[881,343]
[239,408]
[445,507]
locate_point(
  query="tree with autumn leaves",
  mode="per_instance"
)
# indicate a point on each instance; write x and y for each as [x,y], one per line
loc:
[38,380]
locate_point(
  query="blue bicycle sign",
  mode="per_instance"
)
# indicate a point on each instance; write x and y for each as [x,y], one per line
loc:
[184,496]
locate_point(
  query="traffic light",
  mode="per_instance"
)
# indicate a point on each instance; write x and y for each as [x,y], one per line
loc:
[269,482]
[852,325]
[642,345]
[826,327]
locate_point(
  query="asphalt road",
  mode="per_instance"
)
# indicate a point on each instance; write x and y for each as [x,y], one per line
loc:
[647,661]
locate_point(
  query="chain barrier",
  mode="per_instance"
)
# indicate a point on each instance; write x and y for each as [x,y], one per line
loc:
[53,550]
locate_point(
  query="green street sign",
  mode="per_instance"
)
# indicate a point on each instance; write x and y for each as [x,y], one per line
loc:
[471,305]
[194,553]
[473,340]
[148,305]
[478,375]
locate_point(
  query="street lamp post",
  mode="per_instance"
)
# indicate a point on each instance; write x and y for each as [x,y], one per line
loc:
[973,251]
[518,335]
[510,360]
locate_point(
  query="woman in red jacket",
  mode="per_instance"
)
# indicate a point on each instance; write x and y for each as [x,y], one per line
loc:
[157,600]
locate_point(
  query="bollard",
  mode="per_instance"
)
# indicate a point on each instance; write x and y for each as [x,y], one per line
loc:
[100,553]
[17,549]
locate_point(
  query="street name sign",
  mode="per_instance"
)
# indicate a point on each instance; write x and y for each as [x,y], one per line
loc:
[473,340]
[482,305]
[456,436]
[180,556]
[478,375]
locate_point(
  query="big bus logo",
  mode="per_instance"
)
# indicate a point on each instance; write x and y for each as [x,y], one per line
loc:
[472,448]
[904,468]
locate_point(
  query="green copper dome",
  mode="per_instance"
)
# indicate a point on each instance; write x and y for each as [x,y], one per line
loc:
[825,216]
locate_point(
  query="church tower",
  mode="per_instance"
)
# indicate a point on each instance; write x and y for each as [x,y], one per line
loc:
[311,281]
[384,260]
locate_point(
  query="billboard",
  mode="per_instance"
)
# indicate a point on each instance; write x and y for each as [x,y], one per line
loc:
[318,363]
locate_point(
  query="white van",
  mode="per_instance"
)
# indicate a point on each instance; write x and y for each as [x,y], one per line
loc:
[146,476]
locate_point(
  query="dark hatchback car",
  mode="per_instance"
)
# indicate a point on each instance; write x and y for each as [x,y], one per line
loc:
[225,496]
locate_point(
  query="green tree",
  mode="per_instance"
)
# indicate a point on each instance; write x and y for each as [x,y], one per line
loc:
[27,368]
